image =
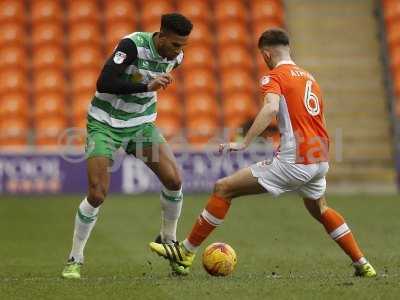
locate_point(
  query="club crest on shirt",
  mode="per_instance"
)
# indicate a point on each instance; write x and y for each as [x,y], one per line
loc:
[119,57]
[264,80]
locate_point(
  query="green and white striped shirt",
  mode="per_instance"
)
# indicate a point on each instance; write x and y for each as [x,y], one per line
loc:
[124,111]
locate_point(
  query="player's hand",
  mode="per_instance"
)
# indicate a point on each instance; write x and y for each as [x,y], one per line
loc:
[159,82]
[169,76]
[230,147]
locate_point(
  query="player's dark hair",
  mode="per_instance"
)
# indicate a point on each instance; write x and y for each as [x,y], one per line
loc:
[273,37]
[176,23]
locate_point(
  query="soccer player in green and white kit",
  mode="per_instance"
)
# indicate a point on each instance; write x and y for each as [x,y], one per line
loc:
[122,114]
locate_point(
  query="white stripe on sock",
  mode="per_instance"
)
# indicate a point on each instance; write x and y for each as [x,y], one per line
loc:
[188,245]
[211,219]
[171,193]
[340,231]
[342,235]
[361,261]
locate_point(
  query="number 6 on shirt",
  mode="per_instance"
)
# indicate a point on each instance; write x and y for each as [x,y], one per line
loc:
[311,101]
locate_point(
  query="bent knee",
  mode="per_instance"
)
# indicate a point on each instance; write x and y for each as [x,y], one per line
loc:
[97,194]
[316,207]
[222,188]
[173,183]
[322,205]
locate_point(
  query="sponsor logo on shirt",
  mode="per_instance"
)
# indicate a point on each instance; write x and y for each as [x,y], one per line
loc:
[264,80]
[119,57]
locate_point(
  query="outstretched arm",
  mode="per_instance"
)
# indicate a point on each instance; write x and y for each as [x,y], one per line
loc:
[263,119]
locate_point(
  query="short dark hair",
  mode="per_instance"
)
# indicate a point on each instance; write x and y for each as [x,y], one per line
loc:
[176,23]
[273,37]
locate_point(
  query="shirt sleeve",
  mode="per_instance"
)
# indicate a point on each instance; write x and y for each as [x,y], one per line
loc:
[110,80]
[270,84]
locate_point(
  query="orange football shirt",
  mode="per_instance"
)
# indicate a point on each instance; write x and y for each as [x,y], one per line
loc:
[304,138]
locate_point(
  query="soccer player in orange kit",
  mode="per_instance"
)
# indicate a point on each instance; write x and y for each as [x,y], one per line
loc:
[301,164]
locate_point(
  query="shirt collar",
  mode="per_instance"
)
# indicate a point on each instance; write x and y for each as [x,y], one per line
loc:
[153,48]
[284,62]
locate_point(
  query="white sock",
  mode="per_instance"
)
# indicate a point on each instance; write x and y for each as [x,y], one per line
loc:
[171,206]
[189,247]
[85,220]
[361,261]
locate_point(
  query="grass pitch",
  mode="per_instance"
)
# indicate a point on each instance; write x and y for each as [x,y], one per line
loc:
[282,252]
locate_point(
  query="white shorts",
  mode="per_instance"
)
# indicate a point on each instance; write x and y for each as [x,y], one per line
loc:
[278,177]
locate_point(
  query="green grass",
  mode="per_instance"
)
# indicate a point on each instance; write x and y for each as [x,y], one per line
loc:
[282,252]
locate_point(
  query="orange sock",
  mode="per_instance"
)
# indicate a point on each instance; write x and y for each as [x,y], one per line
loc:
[340,232]
[211,217]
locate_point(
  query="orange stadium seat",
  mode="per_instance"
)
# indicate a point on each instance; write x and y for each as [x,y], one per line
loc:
[237,80]
[262,25]
[232,32]
[393,34]
[13,131]
[267,10]
[84,81]
[395,59]
[151,26]
[201,34]
[84,33]
[239,104]
[47,33]
[233,122]
[170,127]
[12,34]
[80,104]
[49,80]
[195,10]
[49,131]
[391,11]
[199,80]
[85,56]
[153,9]
[12,11]
[13,56]
[49,104]
[14,104]
[235,56]
[233,126]
[202,104]
[79,133]
[48,56]
[46,11]
[198,56]
[168,104]
[230,10]
[120,10]
[83,10]
[202,130]
[115,32]
[13,80]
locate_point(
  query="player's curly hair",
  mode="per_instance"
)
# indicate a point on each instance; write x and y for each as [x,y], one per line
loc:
[176,23]
[273,37]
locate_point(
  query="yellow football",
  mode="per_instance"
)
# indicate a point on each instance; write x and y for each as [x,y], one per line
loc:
[219,259]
